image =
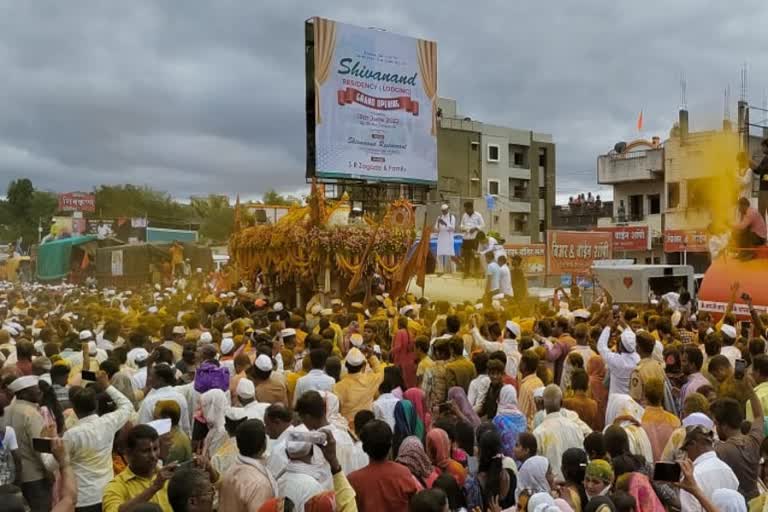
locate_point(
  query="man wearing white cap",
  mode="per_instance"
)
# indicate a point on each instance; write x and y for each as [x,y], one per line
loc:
[175,341]
[162,380]
[246,397]
[508,345]
[729,335]
[23,415]
[269,389]
[620,364]
[357,388]
[445,225]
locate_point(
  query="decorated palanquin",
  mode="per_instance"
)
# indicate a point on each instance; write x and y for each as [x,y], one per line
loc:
[310,242]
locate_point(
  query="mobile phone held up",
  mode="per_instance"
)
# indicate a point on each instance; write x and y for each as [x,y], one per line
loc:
[740,369]
[42,444]
[88,376]
[666,471]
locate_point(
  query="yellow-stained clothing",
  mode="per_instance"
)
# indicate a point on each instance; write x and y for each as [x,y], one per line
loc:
[126,486]
[357,390]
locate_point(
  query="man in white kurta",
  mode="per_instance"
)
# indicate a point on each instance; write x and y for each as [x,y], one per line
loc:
[445,225]
[556,433]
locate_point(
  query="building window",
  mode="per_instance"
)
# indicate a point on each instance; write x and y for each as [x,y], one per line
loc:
[493,152]
[654,204]
[518,189]
[518,156]
[493,187]
[542,226]
[673,195]
[542,192]
[518,223]
[636,207]
[542,157]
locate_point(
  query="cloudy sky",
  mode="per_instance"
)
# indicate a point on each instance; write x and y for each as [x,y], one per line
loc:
[197,96]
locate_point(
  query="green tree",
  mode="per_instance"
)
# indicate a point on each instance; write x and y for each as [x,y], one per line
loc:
[19,196]
[23,209]
[216,217]
[273,198]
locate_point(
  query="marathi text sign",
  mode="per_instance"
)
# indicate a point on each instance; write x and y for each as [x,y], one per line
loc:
[77,202]
[572,252]
[533,257]
[375,104]
[629,238]
[681,240]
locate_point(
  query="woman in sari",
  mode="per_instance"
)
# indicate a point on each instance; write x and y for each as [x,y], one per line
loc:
[439,450]
[534,476]
[639,487]
[213,403]
[412,455]
[509,420]
[657,423]
[628,415]
[419,400]
[459,398]
[597,390]
[407,423]
[403,354]
[574,463]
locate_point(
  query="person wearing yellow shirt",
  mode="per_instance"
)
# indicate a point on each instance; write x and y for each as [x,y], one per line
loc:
[325,323]
[141,481]
[357,388]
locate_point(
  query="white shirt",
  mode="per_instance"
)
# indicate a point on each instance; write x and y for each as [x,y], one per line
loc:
[471,221]
[555,435]
[256,410]
[384,408]
[147,409]
[477,391]
[586,354]
[493,272]
[508,346]
[505,280]
[316,380]
[620,365]
[710,474]
[139,379]
[732,353]
[89,444]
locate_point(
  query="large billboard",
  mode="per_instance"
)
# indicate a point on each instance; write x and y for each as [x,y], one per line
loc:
[573,252]
[629,238]
[371,108]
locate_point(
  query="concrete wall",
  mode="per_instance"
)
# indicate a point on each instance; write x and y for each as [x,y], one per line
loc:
[458,161]
[622,191]
[631,166]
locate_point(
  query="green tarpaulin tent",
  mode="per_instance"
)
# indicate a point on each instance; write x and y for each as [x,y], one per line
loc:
[53,258]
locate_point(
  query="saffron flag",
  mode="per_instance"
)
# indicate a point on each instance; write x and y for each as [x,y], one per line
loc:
[414,264]
[640,122]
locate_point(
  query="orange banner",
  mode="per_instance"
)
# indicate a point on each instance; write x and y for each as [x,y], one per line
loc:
[572,252]
[534,257]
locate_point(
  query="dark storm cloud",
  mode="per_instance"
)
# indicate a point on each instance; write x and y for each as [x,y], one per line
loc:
[196,96]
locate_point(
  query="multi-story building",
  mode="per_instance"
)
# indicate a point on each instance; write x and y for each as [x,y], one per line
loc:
[508,173]
[668,187]
[636,172]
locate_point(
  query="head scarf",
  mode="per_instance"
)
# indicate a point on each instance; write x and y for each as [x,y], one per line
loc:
[542,502]
[507,400]
[459,397]
[407,422]
[419,401]
[213,404]
[728,500]
[600,469]
[439,448]
[325,502]
[532,476]
[332,414]
[640,488]
[413,456]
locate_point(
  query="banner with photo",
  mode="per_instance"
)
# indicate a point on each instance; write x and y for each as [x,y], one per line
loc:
[375,104]
[533,256]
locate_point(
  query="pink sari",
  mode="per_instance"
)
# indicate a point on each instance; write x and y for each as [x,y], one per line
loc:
[419,400]
[404,356]
[640,488]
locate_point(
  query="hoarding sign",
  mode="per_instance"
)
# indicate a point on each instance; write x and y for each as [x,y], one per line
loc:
[533,257]
[77,202]
[573,252]
[681,240]
[629,238]
[375,105]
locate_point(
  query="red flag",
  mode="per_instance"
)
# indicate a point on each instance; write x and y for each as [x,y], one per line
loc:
[640,122]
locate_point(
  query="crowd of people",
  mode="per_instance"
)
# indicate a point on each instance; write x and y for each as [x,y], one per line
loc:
[163,399]
[586,202]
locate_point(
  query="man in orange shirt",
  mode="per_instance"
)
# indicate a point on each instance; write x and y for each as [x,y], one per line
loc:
[529,383]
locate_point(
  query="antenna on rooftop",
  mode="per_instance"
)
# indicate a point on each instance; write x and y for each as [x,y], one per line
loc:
[683,92]
[727,103]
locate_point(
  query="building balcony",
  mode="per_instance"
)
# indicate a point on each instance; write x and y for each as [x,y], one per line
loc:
[645,165]
[653,221]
